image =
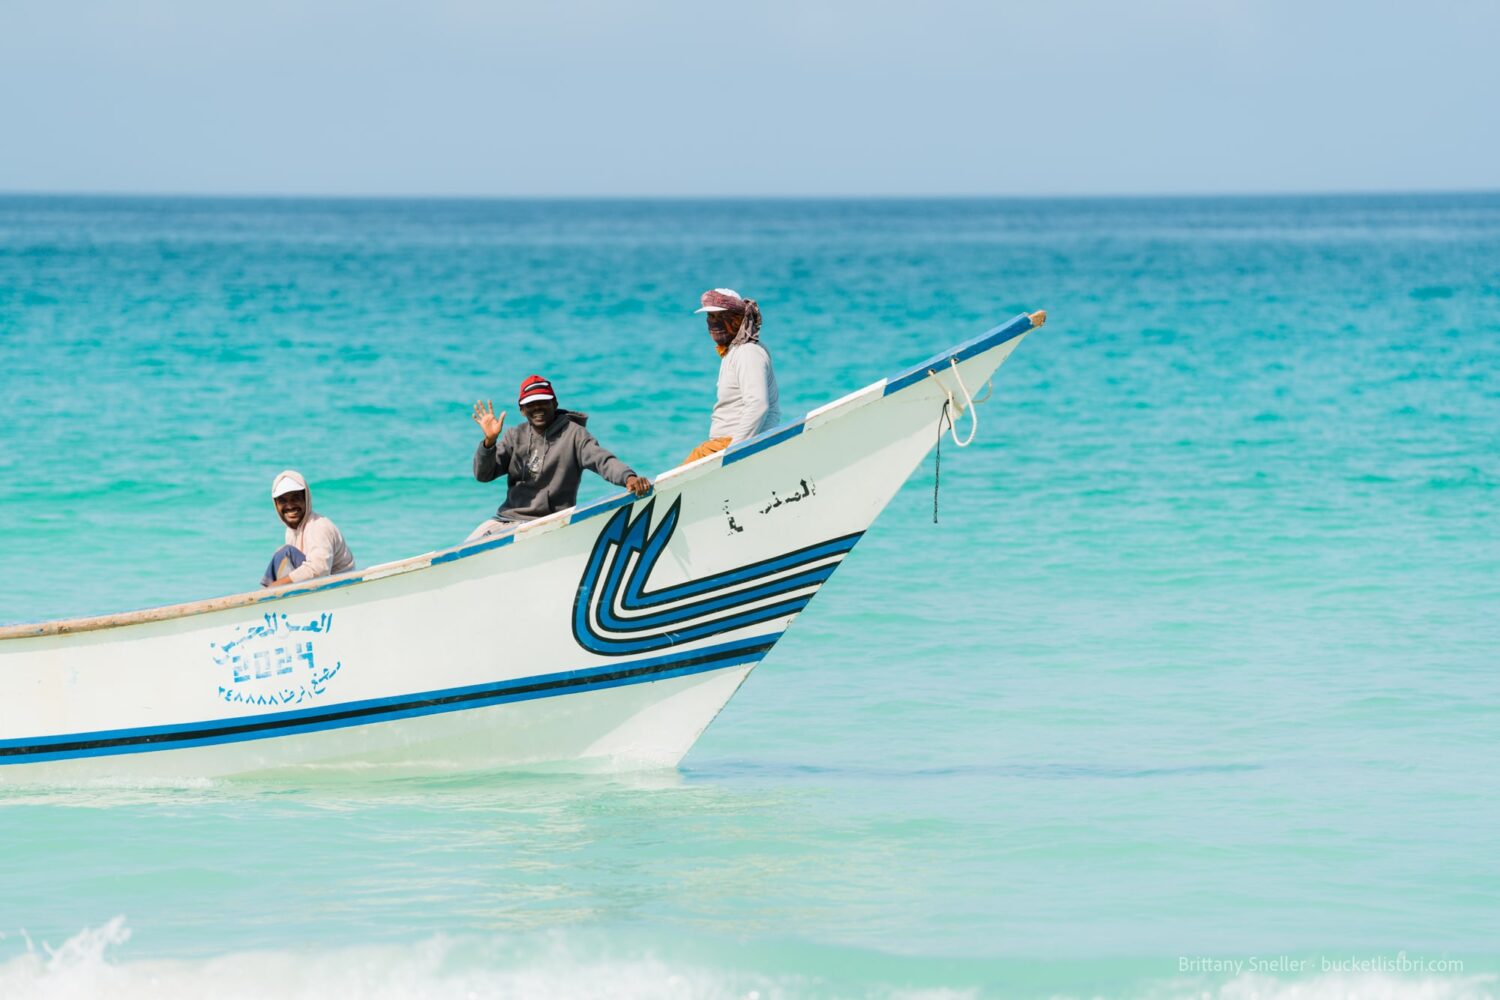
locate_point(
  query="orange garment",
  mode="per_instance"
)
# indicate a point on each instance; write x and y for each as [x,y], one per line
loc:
[707,448]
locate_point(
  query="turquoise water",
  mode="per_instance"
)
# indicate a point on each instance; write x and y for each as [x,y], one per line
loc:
[1201,663]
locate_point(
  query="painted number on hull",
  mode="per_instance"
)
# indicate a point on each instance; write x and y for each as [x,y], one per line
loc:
[276,661]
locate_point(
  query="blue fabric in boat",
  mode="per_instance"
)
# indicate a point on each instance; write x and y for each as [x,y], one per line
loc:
[286,559]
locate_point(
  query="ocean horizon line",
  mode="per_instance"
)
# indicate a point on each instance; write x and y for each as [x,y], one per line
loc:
[1054,198]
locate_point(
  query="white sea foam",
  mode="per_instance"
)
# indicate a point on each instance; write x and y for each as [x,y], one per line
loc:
[89,965]
[83,967]
[437,967]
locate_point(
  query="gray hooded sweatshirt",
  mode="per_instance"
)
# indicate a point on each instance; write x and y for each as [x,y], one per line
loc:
[319,539]
[543,470]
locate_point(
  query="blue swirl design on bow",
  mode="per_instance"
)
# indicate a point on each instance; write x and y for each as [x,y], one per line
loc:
[615,614]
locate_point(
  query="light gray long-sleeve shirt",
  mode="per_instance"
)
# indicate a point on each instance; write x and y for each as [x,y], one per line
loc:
[748,401]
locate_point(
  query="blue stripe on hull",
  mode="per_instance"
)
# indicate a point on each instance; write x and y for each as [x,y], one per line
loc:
[144,739]
[761,442]
[963,352]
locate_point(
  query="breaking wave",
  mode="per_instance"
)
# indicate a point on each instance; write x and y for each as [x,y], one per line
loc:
[88,965]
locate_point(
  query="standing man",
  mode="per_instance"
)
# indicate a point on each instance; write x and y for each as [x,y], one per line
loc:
[314,545]
[748,400]
[543,460]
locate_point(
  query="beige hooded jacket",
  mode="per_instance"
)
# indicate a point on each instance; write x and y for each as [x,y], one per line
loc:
[319,539]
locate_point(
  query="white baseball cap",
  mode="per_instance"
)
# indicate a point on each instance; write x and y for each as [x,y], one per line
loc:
[287,482]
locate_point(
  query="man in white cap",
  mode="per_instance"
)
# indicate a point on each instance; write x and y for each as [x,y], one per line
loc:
[314,546]
[748,402]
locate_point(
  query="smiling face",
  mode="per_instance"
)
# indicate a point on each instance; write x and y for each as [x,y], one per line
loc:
[540,413]
[292,507]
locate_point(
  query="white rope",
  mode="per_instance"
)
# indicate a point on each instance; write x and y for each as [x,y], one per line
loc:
[952,405]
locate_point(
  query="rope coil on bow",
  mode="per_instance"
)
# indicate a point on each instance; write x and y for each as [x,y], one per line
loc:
[949,405]
[969,404]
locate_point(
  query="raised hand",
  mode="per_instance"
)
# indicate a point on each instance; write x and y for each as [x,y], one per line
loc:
[484,416]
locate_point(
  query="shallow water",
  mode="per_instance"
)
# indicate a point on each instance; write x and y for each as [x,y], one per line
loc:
[1200,663]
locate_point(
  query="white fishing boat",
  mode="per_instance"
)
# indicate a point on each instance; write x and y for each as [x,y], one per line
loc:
[607,636]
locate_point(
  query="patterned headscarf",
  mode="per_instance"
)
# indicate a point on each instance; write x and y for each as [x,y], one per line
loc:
[728,300]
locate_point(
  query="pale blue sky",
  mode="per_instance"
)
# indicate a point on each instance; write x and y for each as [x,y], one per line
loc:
[661,97]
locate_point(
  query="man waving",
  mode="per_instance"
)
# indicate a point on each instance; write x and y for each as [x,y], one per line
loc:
[543,460]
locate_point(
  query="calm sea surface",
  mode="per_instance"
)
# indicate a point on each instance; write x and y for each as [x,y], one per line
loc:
[1195,689]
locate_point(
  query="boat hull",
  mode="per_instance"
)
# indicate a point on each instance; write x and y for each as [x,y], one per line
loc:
[605,637]
[625,728]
